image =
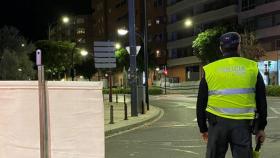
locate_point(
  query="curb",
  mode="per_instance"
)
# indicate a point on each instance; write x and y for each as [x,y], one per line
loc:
[156,116]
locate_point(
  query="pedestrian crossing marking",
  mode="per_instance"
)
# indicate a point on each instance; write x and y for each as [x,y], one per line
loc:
[275,110]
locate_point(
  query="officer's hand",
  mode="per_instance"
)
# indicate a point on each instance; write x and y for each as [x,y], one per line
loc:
[205,136]
[260,136]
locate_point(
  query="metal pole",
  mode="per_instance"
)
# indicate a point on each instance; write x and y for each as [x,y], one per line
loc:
[72,63]
[146,56]
[110,91]
[164,81]
[132,44]
[49,32]
[43,115]
[277,67]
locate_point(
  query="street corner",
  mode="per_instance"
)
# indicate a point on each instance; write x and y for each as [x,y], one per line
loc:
[133,123]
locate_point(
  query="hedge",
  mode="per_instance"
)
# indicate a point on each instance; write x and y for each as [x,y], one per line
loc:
[273,90]
[152,91]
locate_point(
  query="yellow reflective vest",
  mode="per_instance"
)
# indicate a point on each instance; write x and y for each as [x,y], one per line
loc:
[231,87]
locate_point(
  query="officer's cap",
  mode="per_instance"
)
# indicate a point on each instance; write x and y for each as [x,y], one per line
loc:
[230,39]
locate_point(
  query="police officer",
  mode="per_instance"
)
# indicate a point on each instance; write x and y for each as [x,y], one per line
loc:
[231,92]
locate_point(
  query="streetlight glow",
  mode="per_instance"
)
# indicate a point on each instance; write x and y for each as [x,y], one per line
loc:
[84,52]
[122,31]
[188,23]
[118,46]
[65,19]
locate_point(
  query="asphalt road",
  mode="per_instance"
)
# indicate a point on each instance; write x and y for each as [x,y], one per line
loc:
[176,134]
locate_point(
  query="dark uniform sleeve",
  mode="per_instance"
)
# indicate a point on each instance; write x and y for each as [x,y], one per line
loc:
[201,105]
[261,102]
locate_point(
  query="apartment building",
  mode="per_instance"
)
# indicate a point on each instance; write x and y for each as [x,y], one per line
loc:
[110,15]
[78,29]
[203,14]
[263,17]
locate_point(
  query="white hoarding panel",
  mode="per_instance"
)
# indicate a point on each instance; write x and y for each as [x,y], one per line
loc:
[76,119]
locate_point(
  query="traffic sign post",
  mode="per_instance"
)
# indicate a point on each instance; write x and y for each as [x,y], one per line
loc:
[104,58]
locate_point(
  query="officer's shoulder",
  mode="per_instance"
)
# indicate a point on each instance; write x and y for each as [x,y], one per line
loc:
[248,60]
[212,63]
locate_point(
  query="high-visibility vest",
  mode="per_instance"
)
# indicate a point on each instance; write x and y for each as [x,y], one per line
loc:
[231,87]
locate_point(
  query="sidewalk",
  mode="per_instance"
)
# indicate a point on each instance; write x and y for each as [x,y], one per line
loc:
[121,125]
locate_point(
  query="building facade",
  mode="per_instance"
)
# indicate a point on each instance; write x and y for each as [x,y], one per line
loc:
[182,64]
[79,29]
[261,16]
[111,15]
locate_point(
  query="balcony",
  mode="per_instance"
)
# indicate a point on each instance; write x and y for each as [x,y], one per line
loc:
[179,6]
[259,10]
[268,32]
[206,17]
[183,61]
[180,43]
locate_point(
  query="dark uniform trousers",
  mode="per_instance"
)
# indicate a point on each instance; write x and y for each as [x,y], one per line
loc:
[223,132]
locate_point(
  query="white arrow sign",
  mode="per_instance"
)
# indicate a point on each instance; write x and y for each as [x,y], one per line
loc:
[137,49]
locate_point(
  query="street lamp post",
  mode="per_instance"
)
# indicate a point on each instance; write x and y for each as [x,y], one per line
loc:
[146,56]
[64,19]
[83,53]
[143,38]
[132,43]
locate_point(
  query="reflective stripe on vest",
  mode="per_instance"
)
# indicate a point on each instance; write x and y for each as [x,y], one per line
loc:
[232,91]
[233,111]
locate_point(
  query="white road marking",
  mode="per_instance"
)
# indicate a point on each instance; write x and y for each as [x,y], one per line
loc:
[275,110]
[272,117]
[186,151]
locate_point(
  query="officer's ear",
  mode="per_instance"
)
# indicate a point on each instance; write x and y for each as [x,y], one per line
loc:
[239,49]
[221,50]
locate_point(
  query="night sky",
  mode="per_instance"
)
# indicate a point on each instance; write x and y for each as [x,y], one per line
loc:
[31,17]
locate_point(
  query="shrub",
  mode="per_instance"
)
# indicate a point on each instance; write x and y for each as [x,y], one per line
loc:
[155,91]
[273,90]
[152,91]
[117,90]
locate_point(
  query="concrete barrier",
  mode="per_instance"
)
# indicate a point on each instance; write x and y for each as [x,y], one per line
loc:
[76,119]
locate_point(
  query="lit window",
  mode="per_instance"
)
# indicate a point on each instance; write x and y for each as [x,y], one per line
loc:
[157,53]
[149,23]
[81,40]
[157,21]
[81,31]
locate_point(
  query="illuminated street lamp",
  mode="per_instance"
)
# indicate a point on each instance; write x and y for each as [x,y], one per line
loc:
[84,52]
[122,31]
[118,46]
[188,22]
[65,19]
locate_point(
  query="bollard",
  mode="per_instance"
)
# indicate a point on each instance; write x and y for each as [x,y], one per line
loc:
[111,114]
[125,111]
[143,108]
[124,97]
[116,96]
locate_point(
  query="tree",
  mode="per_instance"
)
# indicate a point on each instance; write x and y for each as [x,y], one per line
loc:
[57,57]
[122,58]
[86,68]
[249,46]
[15,63]
[206,45]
